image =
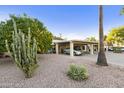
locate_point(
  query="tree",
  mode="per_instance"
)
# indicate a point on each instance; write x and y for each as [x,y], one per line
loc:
[38,31]
[122,11]
[101,60]
[91,39]
[106,42]
[105,37]
[57,38]
[116,36]
[2,34]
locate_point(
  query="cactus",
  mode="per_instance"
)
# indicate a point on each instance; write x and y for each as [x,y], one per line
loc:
[23,50]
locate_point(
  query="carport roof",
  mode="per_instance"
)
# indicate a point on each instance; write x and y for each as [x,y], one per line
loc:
[75,41]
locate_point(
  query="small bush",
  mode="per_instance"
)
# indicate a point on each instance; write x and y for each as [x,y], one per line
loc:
[117,50]
[77,72]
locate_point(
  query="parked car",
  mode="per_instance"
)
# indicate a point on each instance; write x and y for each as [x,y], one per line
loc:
[122,49]
[110,49]
[52,50]
[76,52]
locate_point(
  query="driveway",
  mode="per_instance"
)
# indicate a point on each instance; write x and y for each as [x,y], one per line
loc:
[113,58]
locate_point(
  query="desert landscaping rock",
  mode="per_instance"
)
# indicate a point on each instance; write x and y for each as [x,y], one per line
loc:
[52,73]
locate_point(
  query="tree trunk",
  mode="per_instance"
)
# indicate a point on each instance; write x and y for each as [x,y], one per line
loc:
[101,60]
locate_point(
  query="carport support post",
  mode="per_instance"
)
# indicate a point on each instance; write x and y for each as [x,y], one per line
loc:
[91,49]
[85,47]
[71,49]
[81,48]
[57,48]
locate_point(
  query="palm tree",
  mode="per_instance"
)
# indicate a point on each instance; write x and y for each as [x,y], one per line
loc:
[101,60]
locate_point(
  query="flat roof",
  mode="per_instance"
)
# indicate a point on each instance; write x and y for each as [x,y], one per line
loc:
[76,41]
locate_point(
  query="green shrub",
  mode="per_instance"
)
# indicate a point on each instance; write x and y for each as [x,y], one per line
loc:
[117,50]
[77,72]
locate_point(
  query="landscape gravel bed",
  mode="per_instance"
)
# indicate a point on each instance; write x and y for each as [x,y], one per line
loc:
[52,74]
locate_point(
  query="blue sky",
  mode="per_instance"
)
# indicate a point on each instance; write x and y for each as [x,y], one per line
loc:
[73,22]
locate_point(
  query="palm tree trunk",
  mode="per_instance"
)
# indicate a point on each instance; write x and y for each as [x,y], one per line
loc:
[101,60]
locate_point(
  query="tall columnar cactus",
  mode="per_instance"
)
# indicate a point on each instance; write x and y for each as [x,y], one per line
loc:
[24,51]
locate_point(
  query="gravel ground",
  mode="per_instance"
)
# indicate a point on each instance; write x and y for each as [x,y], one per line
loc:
[52,74]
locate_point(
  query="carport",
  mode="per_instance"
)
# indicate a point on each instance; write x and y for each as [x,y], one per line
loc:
[84,46]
